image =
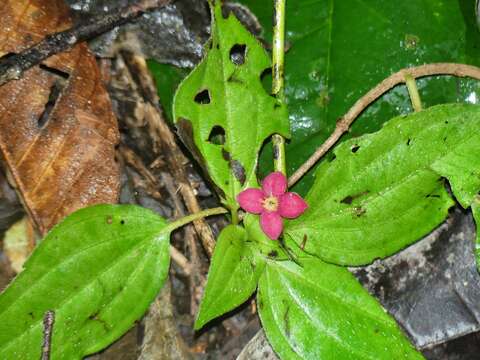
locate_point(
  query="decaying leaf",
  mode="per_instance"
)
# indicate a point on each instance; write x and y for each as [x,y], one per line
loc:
[18,243]
[58,131]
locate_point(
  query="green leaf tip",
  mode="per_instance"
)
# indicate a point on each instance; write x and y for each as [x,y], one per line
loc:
[232,277]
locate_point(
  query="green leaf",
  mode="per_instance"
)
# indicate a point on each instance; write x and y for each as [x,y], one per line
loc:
[223,106]
[320,311]
[340,49]
[98,271]
[232,277]
[263,246]
[383,191]
[167,78]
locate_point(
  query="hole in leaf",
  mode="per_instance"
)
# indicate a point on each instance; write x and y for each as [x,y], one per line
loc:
[122,222]
[55,91]
[238,53]
[54,71]
[409,141]
[355,148]
[203,97]
[217,135]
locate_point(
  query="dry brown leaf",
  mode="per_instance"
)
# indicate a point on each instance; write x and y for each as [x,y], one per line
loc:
[18,243]
[57,129]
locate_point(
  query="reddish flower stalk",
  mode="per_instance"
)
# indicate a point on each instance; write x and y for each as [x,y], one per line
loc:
[273,203]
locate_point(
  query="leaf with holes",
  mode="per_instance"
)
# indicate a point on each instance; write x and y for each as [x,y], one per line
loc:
[340,49]
[320,311]
[232,277]
[98,271]
[384,191]
[223,107]
[58,132]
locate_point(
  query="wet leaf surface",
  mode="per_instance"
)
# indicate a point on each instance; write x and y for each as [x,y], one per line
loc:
[320,311]
[58,130]
[339,49]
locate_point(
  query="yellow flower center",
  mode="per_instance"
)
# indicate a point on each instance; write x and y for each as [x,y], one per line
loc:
[270,203]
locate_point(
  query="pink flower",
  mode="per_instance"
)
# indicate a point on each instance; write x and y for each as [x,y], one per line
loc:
[273,203]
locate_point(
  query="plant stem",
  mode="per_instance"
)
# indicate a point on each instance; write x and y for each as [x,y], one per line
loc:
[413,92]
[199,215]
[460,70]
[278,56]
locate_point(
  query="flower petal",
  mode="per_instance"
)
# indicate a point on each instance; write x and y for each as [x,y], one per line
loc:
[291,205]
[271,224]
[251,200]
[275,184]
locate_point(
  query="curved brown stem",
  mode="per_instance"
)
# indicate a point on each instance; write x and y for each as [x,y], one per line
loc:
[343,125]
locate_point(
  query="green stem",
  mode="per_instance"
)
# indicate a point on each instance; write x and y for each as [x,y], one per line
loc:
[413,93]
[199,215]
[278,56]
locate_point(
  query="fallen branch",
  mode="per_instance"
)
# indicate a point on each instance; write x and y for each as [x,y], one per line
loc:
[343,125]
[12,67]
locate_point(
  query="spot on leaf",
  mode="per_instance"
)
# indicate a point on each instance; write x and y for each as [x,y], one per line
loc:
[349,199]
[238,171]
[359,211]
[238,54]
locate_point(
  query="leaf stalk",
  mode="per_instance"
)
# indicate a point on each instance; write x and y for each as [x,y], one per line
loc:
[196,216]
[413,92]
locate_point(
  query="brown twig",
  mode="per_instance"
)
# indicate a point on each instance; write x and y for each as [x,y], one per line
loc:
[180,260]
[165,143]
[344,123]
[48,321]
[189,235]
[12,67]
